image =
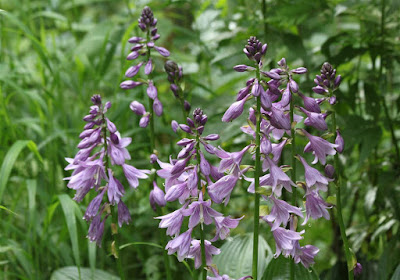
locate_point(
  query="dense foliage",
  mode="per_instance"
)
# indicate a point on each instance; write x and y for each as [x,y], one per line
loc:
[55,55]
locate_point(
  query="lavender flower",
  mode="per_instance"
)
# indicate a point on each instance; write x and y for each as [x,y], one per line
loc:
[319,147]
[316,207]
[195,252]
[101,138]
[280,212]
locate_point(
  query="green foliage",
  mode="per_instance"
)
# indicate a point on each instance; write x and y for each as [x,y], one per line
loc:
[279,269]
[74,273]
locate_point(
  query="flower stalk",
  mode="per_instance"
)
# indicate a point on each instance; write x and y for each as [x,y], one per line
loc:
[257,174]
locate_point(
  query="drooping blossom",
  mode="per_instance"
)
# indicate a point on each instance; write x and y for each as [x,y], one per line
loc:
[195,252]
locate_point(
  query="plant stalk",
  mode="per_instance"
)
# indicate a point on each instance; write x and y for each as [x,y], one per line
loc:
[339,204]
[114,216]
[203,247]
[257,174]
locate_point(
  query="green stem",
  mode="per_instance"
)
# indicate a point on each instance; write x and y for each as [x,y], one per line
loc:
[114,216]
[203,247]
[257,174]
[339,205]
[293,173]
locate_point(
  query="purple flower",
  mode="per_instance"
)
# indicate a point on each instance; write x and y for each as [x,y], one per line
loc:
[96,229]
[330,171]
[279,119]
[157,107]
[280,212]
[243,68]
[123,214]
[314,177]
[320,147]
[144,121]
[357,269]
[94,206]
[157,197]
[163,51]
[195,252]
[230,161]
[130,84]
[180,244]
[117,149]
[174,125]
[315,120]
[172,221]
[304,254]
[223,226]
[132,174]
[115,189]
[316,207]
[339,142]
[149,67]
[222,188]
[310,103]
[200,212]
[235,110]
[277,178]
[284,239]
[133,70]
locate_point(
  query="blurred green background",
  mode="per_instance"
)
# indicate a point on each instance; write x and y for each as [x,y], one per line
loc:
[55,54]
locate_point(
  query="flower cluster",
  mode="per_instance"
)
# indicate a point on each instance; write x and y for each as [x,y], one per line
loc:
[277,119]
[142,47]
[101,145]
[187,183]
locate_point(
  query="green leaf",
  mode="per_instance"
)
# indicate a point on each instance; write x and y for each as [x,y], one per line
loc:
[236,256]
[280,269]
[72,273]
[396,274]
[10,159]
[68,206]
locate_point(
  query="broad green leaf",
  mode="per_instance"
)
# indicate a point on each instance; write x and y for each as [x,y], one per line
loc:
[279,269]
[72,273]
[236,256]
[68,206]
[396,274]
[10,159]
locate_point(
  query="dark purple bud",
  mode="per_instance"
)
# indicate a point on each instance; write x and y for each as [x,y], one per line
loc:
[300,70]
[249,82]
[132,55]
[179,166]
[339,141]
[266,102]
[282,63]
[337,82]
[243,68]
[93,207]
[136,47]
[185,141]
[96,99]
[174,89]
[144,121]
[156,37]
[319,90]
[114,138]
[137,108]
[135,39]
[129,84]
[149,67]
[107,106]
[203,120]
[330,171]
[174,125]
[186,128]
[163,51]
[190,122]
[89,118]
[154,31]
[264,49]
[186,105]
[157,107]
[200,129]
[152,90]
[133,70]
[310,104]
[243,92]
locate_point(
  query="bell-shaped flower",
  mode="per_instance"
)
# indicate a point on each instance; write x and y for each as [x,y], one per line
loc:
[123,214]
[230,161]
[279,119]
[195,252]
[316,207]
[304,254]
[133,174]
[310,104]
[278,178]
[115,190]
[314,177]
[223,226]
[172,222]
[339,142]
[320,147]
[284,239]
[96,229]
[316,120]
[94,206]
[117,149]
[200,212]
[180,244]
[280,212]
[222,188]
[157,197]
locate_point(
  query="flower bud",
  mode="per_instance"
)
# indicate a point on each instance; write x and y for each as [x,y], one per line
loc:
[186,105]
[149,67]
[339,141]
[129,84]
[137,108]
[330,171]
